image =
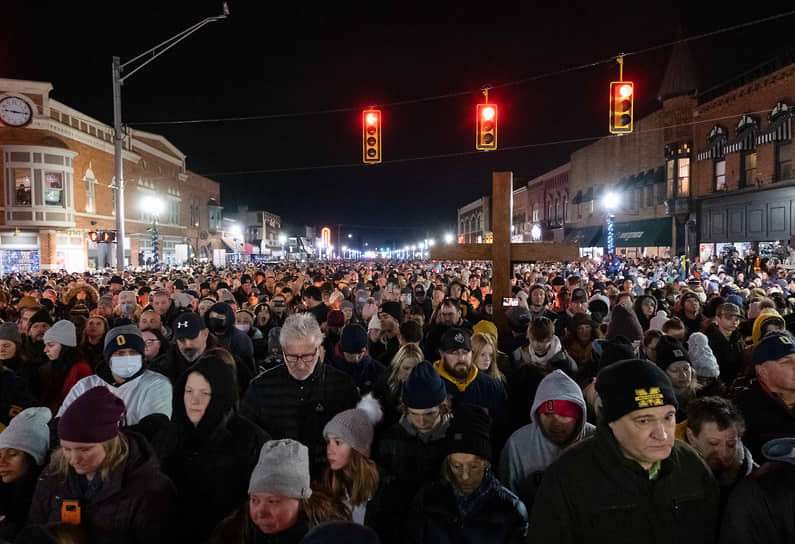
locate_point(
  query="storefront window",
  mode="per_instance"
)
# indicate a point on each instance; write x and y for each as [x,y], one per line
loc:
[720,175]
[748,168]
[22,187]
[783,160]
[670,175]
[53,189]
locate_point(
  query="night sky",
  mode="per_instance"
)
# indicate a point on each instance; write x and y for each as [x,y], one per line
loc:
[295,58]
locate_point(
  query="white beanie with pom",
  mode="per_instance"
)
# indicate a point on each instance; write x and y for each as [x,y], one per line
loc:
[701,356]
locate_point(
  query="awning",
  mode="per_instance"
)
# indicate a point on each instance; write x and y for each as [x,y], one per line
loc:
[745,139]
[588,196]
[585,236]
[780,129]
[577,198]
[643,233]
[248,248]
[229,243]
[716,144]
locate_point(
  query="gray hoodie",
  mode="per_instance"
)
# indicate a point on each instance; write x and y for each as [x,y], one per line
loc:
[528,452]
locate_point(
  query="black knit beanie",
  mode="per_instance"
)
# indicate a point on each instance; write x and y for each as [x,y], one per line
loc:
[632,385]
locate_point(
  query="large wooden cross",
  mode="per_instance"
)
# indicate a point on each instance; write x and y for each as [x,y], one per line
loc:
[502,253]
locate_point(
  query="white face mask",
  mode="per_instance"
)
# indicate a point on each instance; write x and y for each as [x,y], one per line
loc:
[125,366]
[243,327]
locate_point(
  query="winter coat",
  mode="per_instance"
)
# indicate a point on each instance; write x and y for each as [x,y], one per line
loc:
[236,342]
[14,396]
[365,373]
[384,352]
[528,451]
[163,363]
[287,408]
[210,463]
[136,503]
[594,494]
[761,508]
[433,518]
[766,418]
[60,376]
[728,352]
[15,499]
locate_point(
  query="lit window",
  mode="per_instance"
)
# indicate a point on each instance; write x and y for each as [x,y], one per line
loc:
[683,180]
[22,187]
[720,175]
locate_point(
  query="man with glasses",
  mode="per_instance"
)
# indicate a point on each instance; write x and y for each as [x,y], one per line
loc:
[296,399]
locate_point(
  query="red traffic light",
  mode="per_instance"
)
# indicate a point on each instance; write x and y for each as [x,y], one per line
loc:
[486,127]
[621,107]
[487,113]
[371,136]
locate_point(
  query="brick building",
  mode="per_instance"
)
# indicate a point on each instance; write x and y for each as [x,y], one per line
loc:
[58,185]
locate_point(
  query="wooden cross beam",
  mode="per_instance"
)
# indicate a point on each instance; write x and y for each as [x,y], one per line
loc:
[502,253]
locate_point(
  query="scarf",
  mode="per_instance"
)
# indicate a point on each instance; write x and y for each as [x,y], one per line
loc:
[460,384]
[530,356]
[467,504]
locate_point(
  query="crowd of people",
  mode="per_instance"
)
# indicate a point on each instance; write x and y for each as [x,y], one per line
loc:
[375,401]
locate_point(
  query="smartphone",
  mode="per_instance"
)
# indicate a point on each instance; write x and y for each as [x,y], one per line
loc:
[507,301]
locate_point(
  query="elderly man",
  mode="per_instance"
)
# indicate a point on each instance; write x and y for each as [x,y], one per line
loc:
[632,482]
[296,399]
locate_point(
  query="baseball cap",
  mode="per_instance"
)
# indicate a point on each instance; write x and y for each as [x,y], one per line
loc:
[579,295]
[187,325]
[454,339]
[729,309]
[773,347]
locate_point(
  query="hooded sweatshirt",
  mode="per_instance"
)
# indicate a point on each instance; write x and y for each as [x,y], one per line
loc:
[236,342]
[528,451]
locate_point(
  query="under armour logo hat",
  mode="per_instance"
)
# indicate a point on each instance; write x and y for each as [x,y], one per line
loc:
[187,325]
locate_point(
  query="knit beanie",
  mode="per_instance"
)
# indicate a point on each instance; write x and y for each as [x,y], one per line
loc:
[469,432]
[123,337]
[41,316]
[773,346]
[423,389]
[62,332]
[93,417]
[356,426]
[341,532]
[486,327]
[335,318]
[353,339]
[658,321]
[632,385]
[282,469]
[29,432]
[617,349]
[375,323]
[624,322]
[10,331]
[669,351]
[701,356]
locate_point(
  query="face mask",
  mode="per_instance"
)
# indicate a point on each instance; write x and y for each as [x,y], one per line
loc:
[215,324]
[242,327]
[127,308]
[125,366]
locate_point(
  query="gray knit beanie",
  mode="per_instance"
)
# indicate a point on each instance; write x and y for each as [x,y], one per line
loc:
[356,426]
[10,331]
[28,432]
[62,332]
[282,469]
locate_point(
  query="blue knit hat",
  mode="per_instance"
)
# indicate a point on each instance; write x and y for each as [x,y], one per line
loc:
[353,339]
[424,388]
[123,337]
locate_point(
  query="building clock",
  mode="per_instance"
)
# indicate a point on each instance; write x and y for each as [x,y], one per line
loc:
[15,112]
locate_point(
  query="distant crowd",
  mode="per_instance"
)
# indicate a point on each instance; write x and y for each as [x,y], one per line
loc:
[635,400]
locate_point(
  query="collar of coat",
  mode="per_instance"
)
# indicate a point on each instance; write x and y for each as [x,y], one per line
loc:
[460,384]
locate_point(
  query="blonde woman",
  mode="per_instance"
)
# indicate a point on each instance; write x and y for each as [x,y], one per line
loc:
[105,479]
[389,387]
[484,354]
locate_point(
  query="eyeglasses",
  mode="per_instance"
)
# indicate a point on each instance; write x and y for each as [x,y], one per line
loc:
[305,358]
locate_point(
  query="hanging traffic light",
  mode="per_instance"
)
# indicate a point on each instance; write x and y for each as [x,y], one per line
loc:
[371,136]
[486,134]
[93,236]
[622,97]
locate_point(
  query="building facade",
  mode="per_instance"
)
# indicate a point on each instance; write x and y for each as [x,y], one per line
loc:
[262,229]
[59,185]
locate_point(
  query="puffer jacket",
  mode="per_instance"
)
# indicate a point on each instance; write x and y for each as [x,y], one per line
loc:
[236,342]
[434,519]
[136,504]
[594,494]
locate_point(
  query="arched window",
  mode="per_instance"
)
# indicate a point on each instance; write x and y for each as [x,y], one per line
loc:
[565,209]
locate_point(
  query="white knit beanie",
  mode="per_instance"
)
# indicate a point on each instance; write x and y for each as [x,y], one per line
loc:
[701,356]
[28,432]
[658,321]
[375,323]
[282,469]
[355,426]
[62,332]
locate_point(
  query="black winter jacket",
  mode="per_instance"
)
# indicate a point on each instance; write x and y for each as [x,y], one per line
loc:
[593,494]
[288,408]
[433,518]
[136,504]
[766,418]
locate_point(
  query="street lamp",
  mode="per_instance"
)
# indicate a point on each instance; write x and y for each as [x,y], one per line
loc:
[282,241]
[448,238]
[344,249]
[118,134]
[610,202]
[152,205]
[236,234]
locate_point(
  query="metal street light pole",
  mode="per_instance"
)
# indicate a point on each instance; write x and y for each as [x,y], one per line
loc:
[118,136]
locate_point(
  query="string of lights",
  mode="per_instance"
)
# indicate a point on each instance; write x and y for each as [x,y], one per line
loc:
[566,141]
[454,94]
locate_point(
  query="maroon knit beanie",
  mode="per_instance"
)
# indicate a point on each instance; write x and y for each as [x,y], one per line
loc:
[94,417]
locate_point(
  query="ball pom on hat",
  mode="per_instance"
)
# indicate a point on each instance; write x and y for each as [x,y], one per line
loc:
[356,426]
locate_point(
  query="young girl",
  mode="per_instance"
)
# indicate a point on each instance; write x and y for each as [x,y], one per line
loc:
[484,354]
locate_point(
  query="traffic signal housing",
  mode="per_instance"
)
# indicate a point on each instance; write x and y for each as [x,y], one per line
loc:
[108,236]
[93,236]
[371,136]
[622,98]
[486,134]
